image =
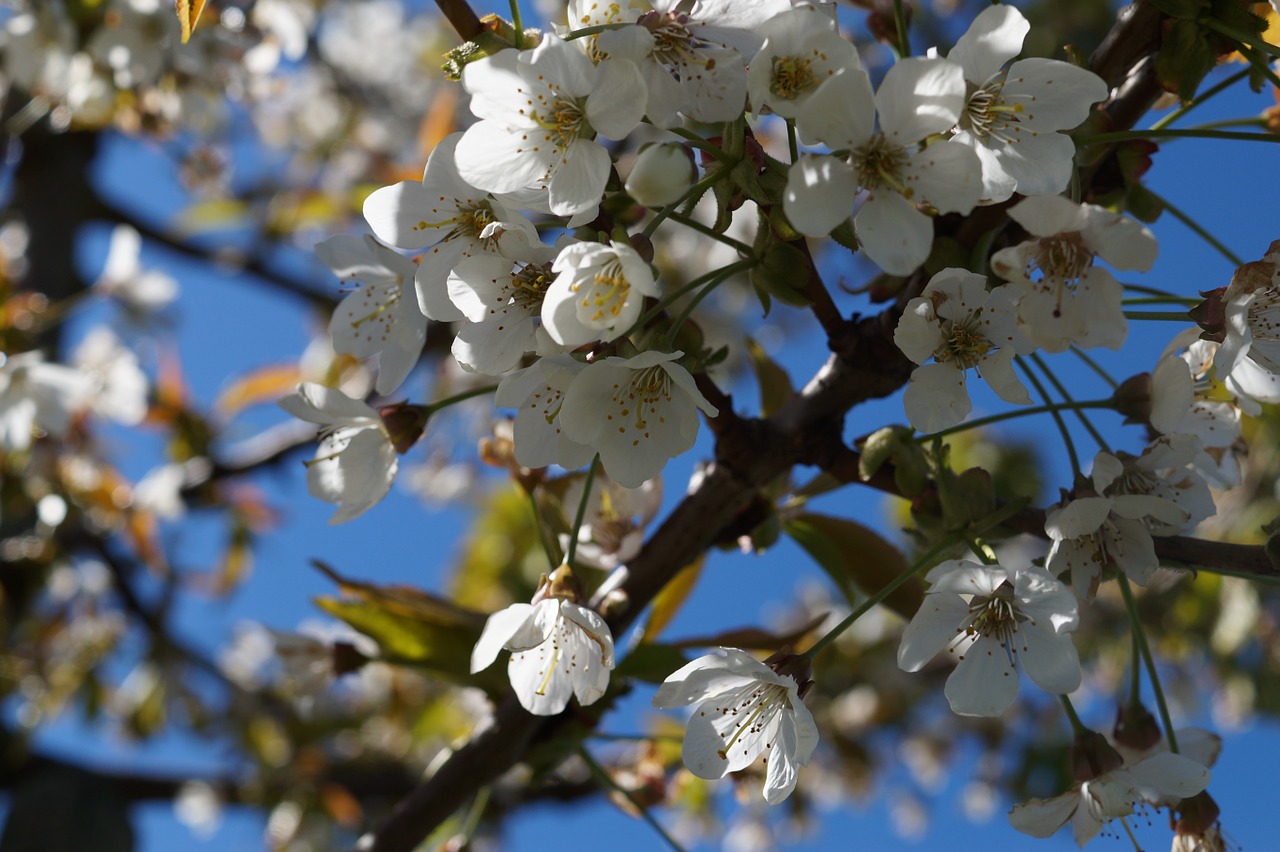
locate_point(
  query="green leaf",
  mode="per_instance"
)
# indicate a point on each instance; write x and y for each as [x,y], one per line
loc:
[1144,206]
[411,626]
[672,597]
[1184,59]
[775,385]
[1181,8]
[857,557]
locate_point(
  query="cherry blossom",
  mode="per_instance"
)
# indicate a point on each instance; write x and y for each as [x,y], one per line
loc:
[1011,117]
[540,110]
[1181,388]
[614,524]
[802,48]
[378,318]
[141,291]
[661,174]
[355,463]
[987,616]
[744,709]
[917,99]
[537,393]
[452,219]
[117,387]
[638,413]
[1165,471]
[1112,795]
[1249,358]
[597,294]
[1065,297]
[35,394]
[961,326]
[559,648]
[502,302]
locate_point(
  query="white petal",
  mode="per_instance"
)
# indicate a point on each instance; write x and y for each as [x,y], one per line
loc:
[615,107]
[819,194]
[1043,817]
[920,97]
[840,113]
[984,682]
[1050,660]
[500,627]
[947,175]
[936,397]
[994,37]
[933,628]
[894,234]
[1171,774]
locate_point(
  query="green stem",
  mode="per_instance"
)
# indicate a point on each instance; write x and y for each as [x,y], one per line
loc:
[515,23]
[1254,121]
[984,553]
[474,814]
[1127,135]
[572,551]
[701,144]
[1199,99]
[1162,300]
[596,30]
[1258,62]
[669,299]
[1048,408]
[1196,227]
[708,180]
[606,780]
[1135,672]
[1166,316]
[550,548]
[722,276]
[1066,395]
[1135,624]
[433,407]
[792,145]
[1151,291]
[1095,366]
[1057,415]
[925,562]
[1077,727]
[693,224]
[900,22]
[635,738]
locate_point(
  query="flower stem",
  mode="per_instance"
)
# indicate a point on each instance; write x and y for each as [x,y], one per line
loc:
[550,548]
[474,813]
[701,144]
[1077,727]
[606,780]
[572,551]
[1127,135]
[433,407]
[1198,228]
[1066,395]
[693,224]
[1094,365]
[669,299]
[792,145]
[1048,408]
[1150,291]
[900,23]
[1135,624]
[1199,99]
[920,565]
[1253,121]
[1057,415]
[1162,300]
[695,191]
[1167,316]
[722,276]
[596,30]
[516,24]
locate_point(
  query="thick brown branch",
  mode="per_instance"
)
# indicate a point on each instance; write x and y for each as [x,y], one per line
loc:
[461,17]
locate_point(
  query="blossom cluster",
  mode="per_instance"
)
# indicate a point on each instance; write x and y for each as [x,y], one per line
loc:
[577,336]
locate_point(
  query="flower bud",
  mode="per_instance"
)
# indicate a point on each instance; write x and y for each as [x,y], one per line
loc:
[1092,756]
[661,174]
[404,424]
[1133,398]
[1136,728]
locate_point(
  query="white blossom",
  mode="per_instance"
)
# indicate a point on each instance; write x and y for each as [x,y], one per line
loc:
[742,709]
[1112,795]
[380,318]
[537,393]
[355,463]
[597,293]
[559,649]
[958,324]
[661,174]
[141,291]
[637,413]
[613,526]
[1012,117]
[802,48]
[117,385]
[1165,471]
[450,218]
[1065,297]
[1249,358]
[987,616]
[540,110]
[36,394]
[502,302]
[917,99]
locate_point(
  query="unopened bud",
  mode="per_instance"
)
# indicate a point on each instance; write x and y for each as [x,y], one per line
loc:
[662,174]
[1136,728]
[561,584]
[404,424]
[1210,315]
[795,666]
[1092,756]
[1197,815]
[1133,398]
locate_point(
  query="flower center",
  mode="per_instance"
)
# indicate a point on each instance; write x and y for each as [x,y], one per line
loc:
[988,115]
[963,343]
[647,389]
[994,617]
[751,708]
[880,163]
[607,295]
[529,287]
[471,220]
[792,76]
[566,119]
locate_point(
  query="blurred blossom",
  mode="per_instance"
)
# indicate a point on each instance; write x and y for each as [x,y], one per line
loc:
[198,807]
